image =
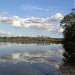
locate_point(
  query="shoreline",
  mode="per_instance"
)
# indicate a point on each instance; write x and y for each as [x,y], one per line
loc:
[31,39]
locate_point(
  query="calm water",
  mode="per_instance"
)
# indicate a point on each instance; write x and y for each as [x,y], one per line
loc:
[33,59]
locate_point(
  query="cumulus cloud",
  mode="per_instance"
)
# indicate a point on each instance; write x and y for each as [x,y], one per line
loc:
[56,17]
[32,22]
[57,29]
[4,33]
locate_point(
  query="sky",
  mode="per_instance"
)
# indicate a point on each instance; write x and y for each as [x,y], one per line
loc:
[33,17]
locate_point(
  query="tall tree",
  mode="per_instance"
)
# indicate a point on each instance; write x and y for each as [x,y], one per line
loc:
[68,23]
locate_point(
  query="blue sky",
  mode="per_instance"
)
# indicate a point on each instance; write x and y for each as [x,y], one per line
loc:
[33,17]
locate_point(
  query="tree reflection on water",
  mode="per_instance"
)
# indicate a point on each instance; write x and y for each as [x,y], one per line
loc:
[68,65]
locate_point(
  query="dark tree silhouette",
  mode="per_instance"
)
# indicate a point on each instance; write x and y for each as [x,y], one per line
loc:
[68,65]
[68,23]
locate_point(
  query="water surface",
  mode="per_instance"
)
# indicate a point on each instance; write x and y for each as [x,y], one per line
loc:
[31,59]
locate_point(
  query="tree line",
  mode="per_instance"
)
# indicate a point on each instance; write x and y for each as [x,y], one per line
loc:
[31,39]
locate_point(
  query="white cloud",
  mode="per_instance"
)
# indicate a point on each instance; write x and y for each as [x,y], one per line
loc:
[57,29]
[16,24]
[4,33]
[33,22]
[56,17]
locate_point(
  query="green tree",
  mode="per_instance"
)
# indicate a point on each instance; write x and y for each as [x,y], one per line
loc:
[68,23]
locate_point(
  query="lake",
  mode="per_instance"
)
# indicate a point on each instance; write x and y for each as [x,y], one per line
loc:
[33,59]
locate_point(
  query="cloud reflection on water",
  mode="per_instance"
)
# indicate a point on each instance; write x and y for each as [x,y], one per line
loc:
[47,56]
[6,44]
[30,59]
